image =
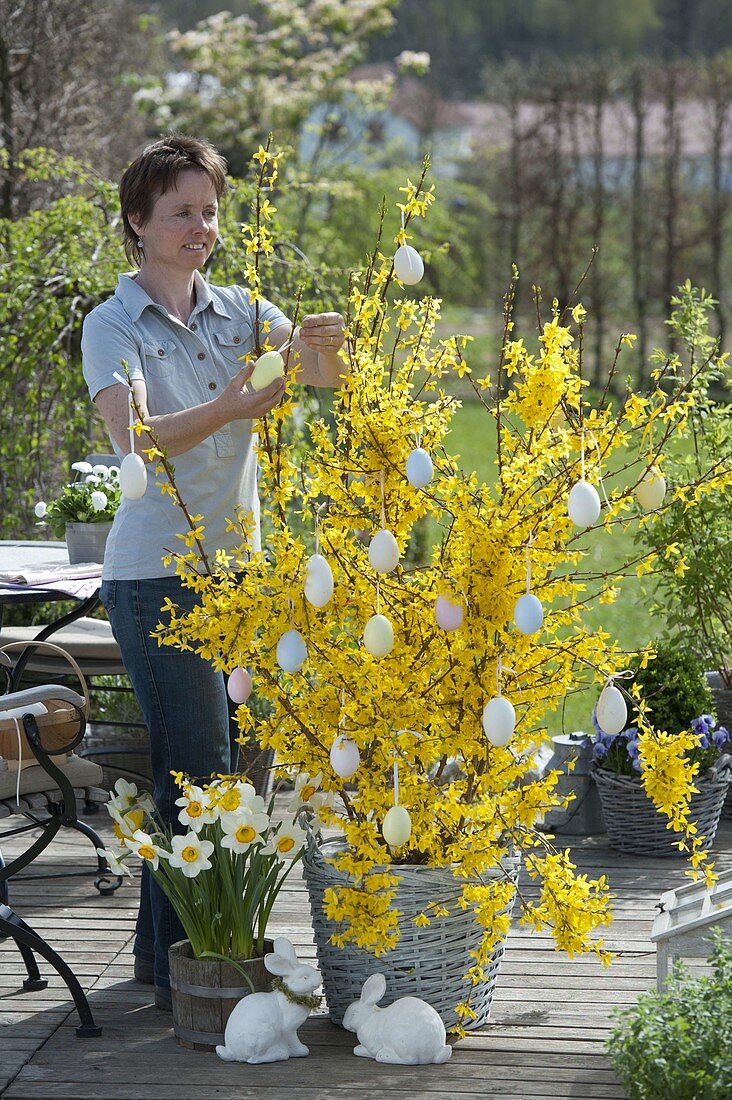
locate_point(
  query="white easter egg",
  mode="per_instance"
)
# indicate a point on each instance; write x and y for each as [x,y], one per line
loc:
[291,651]
[239,685]
[344,757]
[611,711]
[499,721]
[448,615]
[408,265]
[419,468]
[583,505]
[132,477]
[384,552]
[651,489]
[269,366]
[378,636]
[397,827]
[528,614]
[319,581]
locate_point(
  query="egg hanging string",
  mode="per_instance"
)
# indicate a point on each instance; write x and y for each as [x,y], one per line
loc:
[378,596]
[383,502]
[599,464]
[396,782]
[528,561]
[127,383]
[500,669]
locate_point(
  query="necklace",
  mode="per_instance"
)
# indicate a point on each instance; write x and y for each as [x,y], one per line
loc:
[307,1000]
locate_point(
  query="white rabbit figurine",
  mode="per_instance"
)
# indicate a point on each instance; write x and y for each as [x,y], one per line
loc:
[408,1032]
[263,1026]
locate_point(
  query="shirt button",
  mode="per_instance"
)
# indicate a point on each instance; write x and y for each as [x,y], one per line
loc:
[194,326]
[161,351]
[237,339]
[212,385]
[201,355]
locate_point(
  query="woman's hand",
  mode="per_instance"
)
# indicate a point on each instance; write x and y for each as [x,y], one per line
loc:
[323,332]
[239,403]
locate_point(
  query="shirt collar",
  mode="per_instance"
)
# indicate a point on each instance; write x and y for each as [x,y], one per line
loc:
[135,300]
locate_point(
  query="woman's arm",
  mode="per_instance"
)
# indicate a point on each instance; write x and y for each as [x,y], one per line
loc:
[317,341]
[180,431]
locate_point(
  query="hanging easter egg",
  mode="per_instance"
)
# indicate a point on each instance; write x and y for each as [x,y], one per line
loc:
[132,477]
[528,614]
[269,366]
[319,581]
[384,552]
[499,721]
[408,265]
[651,489]
[397,827]
[291,651]
[378,636]
[344,757]
[239,686]
[419,468]
[583,505]
[448,615]
[611,711]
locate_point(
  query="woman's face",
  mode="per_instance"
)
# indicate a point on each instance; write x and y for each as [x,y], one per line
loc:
[183,226]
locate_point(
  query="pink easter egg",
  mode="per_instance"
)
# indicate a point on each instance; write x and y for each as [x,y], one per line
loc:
[448,615]
[239,686]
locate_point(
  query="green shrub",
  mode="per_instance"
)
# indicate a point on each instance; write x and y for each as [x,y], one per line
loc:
[674,687]
[674,1045]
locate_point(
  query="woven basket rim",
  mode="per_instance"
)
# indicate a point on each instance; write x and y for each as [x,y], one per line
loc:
[315,853]
[633,782]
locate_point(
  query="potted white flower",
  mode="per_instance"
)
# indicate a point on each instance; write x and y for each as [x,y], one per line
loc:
[84,510]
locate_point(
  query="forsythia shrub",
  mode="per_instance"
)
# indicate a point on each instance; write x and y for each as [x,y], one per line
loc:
[471,802]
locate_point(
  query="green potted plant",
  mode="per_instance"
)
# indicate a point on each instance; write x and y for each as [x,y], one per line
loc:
[83,511]
[673,693]
[693,585]
[675,1043]
[222,876]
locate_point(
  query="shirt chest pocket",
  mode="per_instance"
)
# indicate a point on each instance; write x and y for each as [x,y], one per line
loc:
[234,342]
[159,358]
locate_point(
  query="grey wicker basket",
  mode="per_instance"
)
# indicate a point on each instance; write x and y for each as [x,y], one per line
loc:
[636,827]
[429,962]
[723,706]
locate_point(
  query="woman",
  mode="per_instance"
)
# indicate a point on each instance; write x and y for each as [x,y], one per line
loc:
[182,340]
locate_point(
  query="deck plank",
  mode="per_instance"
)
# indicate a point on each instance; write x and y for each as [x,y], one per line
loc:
[545,1040]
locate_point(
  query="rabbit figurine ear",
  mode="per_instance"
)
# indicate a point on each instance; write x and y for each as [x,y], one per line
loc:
[373,990]
[284,947]
[278,965]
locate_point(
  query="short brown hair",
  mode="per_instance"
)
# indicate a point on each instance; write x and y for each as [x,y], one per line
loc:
[156,171]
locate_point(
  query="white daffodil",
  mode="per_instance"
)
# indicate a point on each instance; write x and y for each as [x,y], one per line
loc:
[82,467]
[126,823]
[115,860]
[288,842]
[306,786]
[240,796]
[244,829]
[144,847]
[190,854]
[196,811]
[99,500]
[40,509]
[101,471]
[322,800]
[125,796]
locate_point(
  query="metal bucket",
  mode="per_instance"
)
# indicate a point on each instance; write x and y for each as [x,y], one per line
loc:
[583,816]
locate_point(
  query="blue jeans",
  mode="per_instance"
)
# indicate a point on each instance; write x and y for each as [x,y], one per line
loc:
[184,704]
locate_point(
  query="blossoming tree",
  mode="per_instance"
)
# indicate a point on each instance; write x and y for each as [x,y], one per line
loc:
[446,694]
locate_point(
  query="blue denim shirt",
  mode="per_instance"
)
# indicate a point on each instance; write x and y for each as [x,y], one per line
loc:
[182,366]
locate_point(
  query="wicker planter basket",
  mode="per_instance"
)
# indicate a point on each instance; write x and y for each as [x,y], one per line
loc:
[427,962]
[636,827]
[723,706]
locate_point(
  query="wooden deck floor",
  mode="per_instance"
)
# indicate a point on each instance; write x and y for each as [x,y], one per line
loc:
[545,1039]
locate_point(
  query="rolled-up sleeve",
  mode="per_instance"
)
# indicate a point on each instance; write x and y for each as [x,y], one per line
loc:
[105,341]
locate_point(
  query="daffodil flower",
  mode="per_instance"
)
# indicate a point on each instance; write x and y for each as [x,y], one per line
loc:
[243,829]
[144,847]
[197,810]
[287,843]
[115,860]
[190,854]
